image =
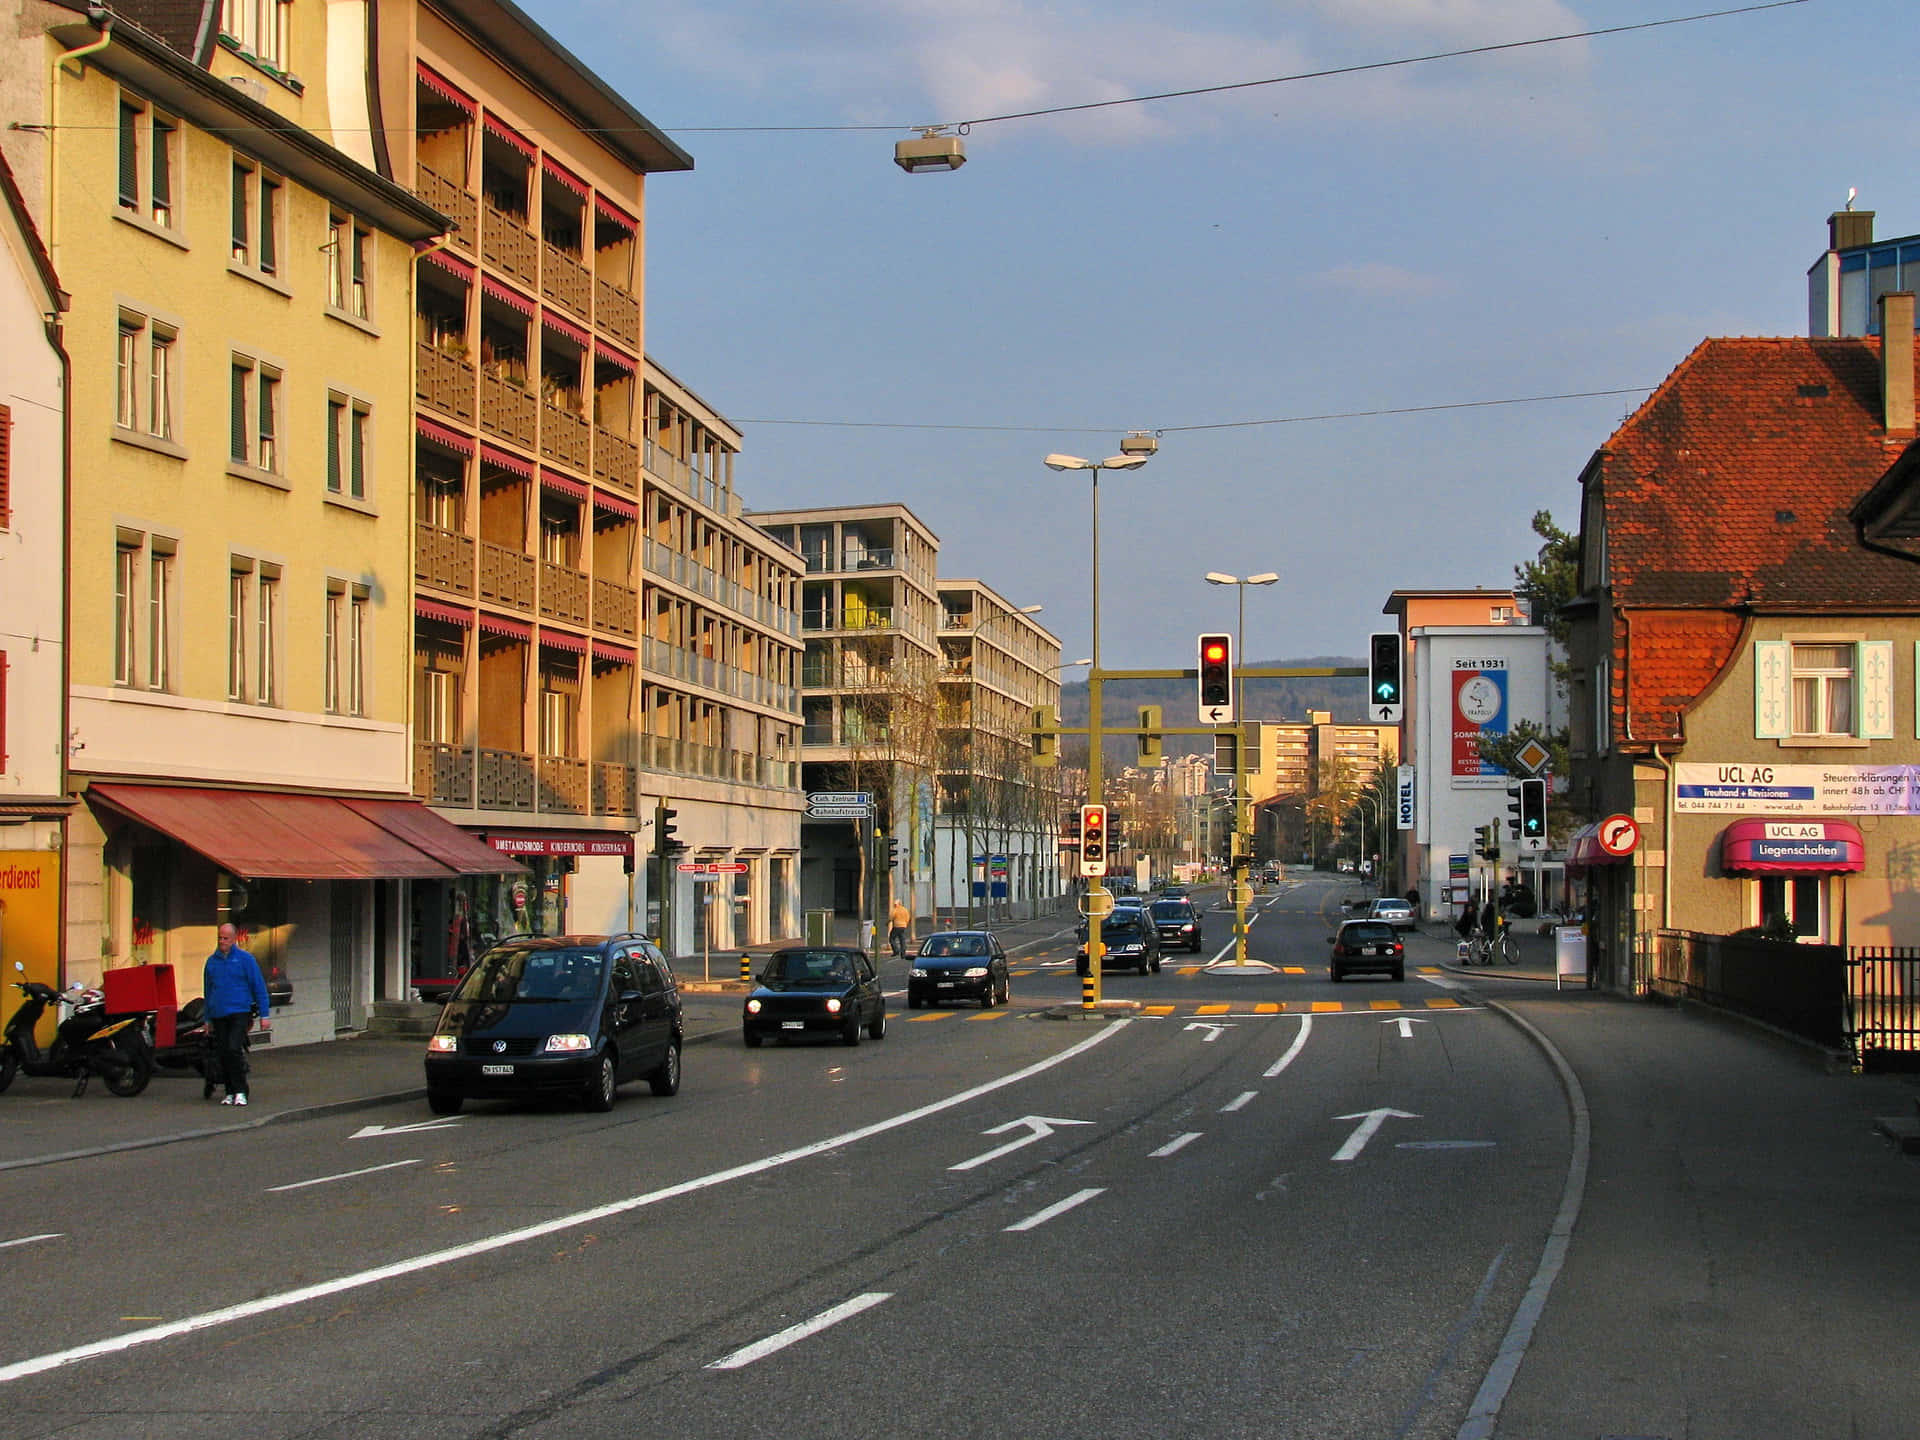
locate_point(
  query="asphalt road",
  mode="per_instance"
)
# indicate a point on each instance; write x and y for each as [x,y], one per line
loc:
[1219,1222]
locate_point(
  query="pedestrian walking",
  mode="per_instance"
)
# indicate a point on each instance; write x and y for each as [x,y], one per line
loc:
[235,992]
[899,917]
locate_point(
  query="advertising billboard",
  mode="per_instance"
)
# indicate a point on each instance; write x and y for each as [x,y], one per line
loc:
[1479,708]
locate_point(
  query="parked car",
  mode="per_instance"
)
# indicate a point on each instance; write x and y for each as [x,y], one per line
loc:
[1130,940]
[1179,924]
[959,965]
[815,990]
[1370,946]
[1392,909]
[567,1015]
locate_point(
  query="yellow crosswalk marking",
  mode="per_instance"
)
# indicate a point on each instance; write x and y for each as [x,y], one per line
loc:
[923,1019]
[1443,1004]
[1322,1007]
[1021,974]
[1426,969]
[1293,969]
[1158,1009]
[1383,1005]
[1212,1009]
[1187,972]
[987,1015]
[1267,1007]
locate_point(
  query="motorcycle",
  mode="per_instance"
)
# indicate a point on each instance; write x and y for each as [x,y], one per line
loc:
[192,1047]
[88,1042]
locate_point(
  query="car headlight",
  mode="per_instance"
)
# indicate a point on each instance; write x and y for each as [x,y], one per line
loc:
[561,1043]
[917,973]
[443,1045]
[833,1005]
[976,972]
[1184,929]
[753,1007]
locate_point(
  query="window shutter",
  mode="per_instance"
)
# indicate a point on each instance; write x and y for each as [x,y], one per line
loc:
[6,466]
[335,413]
[129,156]
[238,424]
[1874,667]
[240,178]
[1772,689]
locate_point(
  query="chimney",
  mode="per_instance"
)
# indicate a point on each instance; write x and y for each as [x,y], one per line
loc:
[1849,229]
[1896,363]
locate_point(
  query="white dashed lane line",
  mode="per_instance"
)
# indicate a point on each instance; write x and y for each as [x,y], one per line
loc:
[793,1334]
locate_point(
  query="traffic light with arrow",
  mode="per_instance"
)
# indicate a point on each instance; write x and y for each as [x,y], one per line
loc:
[1386,697]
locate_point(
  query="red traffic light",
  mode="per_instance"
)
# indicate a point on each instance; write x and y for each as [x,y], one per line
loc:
[1214,653]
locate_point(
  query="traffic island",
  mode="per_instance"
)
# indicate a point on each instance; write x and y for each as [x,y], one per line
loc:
[1101,1010]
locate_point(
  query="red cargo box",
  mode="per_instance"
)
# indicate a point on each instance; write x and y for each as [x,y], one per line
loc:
[134,988]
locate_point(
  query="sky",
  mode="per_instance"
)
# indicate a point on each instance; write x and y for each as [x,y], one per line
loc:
[1542,221]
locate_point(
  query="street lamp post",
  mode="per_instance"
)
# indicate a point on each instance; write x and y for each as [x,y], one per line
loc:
[1096,889]
[973,775]
[1372,812]
[1242,780]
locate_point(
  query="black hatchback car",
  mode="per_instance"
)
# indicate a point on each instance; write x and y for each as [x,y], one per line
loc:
[1130,942]
[815,990]
[1366,945]
[566,1015]
[959,965]
[1178,922]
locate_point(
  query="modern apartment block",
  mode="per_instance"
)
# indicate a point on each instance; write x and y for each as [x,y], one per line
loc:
[996,827]
[869,680]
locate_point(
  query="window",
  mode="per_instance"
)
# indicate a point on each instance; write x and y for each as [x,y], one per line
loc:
[347,266]
[126,580]
[144,376]
[1797,899]
[149,157]
[1823,689]
[345,677]
[126,409]
[259,210]
[254,427]
[258,29]
[348,422]
[160,616]
[160,352]
[239,584]
[556,723]
[440,707]
[266,647]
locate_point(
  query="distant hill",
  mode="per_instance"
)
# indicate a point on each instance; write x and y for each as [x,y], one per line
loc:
[1275,700]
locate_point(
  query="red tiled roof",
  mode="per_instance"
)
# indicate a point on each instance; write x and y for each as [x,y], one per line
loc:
[1663,661]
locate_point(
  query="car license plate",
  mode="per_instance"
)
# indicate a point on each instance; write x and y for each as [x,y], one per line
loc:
[1382,950]
[793,1024]
[948,984]
[496,1069]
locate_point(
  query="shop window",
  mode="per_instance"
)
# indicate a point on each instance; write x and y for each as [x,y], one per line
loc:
[1799,900]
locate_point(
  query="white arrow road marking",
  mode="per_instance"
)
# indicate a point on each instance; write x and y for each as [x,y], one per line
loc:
[1040,1217]
[367,1132]
[1174,1144]
[1041,1125]
[1370,1123]
[1238,1102]
[1293,1050]
[1213,1030]
[760,1349]
[343,1175]
[1406,1024]
[29,1239]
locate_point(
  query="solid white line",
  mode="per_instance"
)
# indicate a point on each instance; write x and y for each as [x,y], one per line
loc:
[1238,1102]
[28,1240]
[760,1349]
[343,1175]
[1174,1144]
[266,1304]
[1299,1043]
[1040,1217]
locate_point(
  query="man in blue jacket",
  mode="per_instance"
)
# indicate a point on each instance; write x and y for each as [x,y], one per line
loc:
[235,992]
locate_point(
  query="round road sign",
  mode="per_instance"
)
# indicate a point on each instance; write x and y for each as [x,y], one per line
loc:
[1618,835]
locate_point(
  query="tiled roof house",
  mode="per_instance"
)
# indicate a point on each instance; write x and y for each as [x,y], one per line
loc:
[1744,646]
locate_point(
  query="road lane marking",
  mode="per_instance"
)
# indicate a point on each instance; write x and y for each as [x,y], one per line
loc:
[1178,1142]
[434,1259]
[1327,1007]
[1443,1004]
[1040,1125]
[1293,1050]
[1293,969]
[30,1239]
[1384,1005]
[343,1175]
[923,1019]
[1212,1009]
[989,1015]
[1040,1217]
[1267,1007]
[1239,1102]
[1160,1009]
[1369,1126]
[760,1349]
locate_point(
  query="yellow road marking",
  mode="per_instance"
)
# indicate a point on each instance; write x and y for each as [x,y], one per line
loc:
[923,1019]
[1021,974]
[1187,972]
[1267,1007]
[1322,1007]
[1293,969]
[1443,1004]
[1385,1005]
[1212,1009]
[987,1015]
[1158,1009]
[1427,969]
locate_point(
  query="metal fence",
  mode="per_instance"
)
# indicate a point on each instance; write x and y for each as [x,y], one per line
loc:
[1883,1006]
[1801,989]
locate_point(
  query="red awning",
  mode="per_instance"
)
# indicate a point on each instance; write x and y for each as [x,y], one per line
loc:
[451,263]
[614,505]
[565,176]
[613,212]
[606,352]
[265,835]
[1761,846]
[561,485]
[444,613]
[613,654]
[1583,850]
[453,847]
[561,640]
[501,625]
[500,131]
[492,455]
[512,299]
[567,328]
[461,445]
[445,88]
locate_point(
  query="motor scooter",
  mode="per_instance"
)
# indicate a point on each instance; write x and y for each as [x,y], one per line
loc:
[88,1042]
[192,1047]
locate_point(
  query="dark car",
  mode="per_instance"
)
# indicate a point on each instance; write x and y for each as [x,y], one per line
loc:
[567,1015]
[1178,923]
[1367,945]
[811,990]
[1130,940]
[959,965]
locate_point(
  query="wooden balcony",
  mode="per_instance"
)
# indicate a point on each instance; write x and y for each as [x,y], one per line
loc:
[443,559]
[451,201]
[444,381]
[617,313]
[443,774]
[563,594]
[565,438]
[565,281]
[506,577]
[564,785]
[509,245]
[616,609]
[616,789]
[506,780]
[508,411]
[616,460]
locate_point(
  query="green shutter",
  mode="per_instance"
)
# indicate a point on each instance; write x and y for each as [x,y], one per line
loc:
[130,155]
[240,244]
[335,413]
[359,451]
[1873,664]
[1772,689]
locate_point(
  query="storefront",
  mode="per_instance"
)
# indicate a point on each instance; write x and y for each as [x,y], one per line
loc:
[1789,871]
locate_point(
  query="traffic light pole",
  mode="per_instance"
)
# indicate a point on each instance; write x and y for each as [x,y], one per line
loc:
[1097,901]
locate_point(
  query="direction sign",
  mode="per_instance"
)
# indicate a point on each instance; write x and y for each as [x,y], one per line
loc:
[838,812]
[840,797]
[1618,835]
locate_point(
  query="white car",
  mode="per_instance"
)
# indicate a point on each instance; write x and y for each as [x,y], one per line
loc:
[1397,913]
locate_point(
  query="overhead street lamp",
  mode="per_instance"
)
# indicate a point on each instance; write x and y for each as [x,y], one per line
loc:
[1097,900]
[1242,785]
[972,773]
